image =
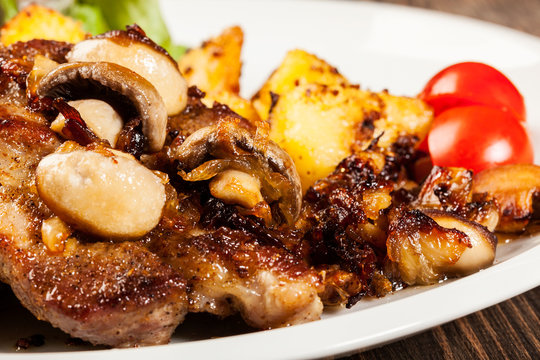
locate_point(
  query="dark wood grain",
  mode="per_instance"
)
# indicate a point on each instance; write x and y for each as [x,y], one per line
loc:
[509,330]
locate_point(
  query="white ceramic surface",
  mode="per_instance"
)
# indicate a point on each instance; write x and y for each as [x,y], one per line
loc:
[378,46]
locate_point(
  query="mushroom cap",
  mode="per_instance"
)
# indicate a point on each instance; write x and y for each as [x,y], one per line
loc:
[125,90]
[225,146]
[135,51]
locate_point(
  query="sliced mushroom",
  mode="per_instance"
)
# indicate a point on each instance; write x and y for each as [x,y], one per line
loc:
[425,248]
[515,188]
[483,243]
[133,50]
[99,116]
[130,94]
[450,189]
[100,191]
[217,149]
[446,188]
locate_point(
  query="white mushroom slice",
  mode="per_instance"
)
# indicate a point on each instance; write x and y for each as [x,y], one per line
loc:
[99,116]
[106,195]
[237,187]
[225,146]
[156,67]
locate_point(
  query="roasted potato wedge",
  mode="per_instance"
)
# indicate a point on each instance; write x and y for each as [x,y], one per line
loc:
[317,124]
[215,66]
[38,22]
[298,68]
[401,116]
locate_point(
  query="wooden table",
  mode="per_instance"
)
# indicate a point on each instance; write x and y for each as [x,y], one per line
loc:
[510,329]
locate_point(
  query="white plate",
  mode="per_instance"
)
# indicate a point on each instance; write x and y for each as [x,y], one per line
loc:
[378,46]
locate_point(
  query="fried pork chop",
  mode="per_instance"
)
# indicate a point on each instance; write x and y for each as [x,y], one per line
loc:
[117,294]
[130,293]
[230,271]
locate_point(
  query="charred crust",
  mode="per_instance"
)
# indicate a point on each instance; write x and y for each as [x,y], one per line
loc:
[17,60]
[131,139]
[195,93]
[334,208]
[274,98]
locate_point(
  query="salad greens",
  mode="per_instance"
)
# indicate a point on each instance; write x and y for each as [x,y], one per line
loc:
[8,9]
[99,16]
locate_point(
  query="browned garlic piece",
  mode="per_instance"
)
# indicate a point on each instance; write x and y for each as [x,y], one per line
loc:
[137,53]
[42,66]
[101,193]
[99,116]
[54,233]
[237,187]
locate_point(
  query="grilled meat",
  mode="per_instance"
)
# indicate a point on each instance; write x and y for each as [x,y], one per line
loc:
[114,294]
[231,271]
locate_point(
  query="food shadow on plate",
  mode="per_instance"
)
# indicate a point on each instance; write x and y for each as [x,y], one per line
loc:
[21,332]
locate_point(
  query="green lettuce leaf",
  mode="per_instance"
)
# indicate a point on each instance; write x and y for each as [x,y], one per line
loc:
[90,16]
[146,13]
[8,9]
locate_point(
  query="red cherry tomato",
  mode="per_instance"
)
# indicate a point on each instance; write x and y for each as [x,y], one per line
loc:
[478,137]
[472,83]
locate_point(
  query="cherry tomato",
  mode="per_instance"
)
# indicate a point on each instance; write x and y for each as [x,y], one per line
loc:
[478,137]
[472,83]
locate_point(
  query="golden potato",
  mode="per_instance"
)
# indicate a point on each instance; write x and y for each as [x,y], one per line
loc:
[315,125]
[236,103]
[318,125]
[215,66]
[401,116]
[298,68]
[38,22]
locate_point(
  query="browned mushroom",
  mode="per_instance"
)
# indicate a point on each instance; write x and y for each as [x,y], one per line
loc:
[515,188]
[226,148]
[425,248]
[126,91]
[135,51]
[450,189]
